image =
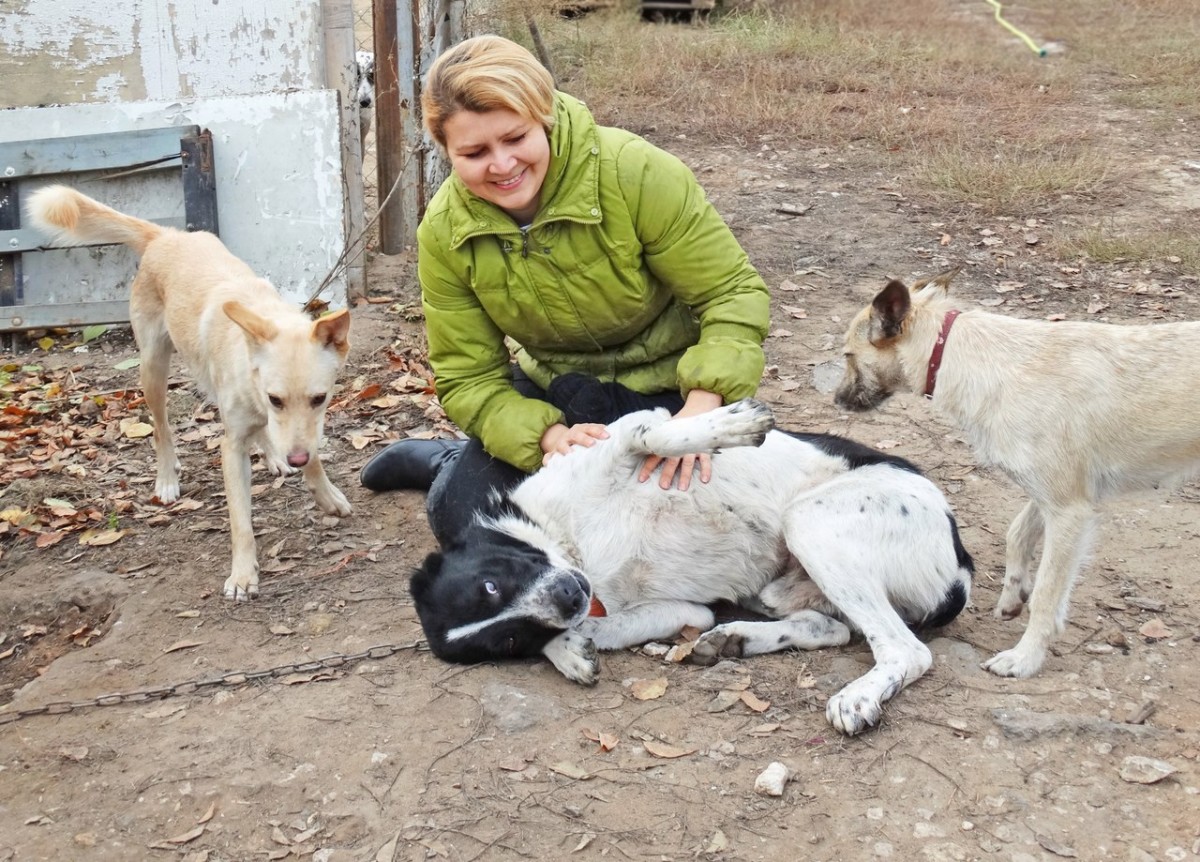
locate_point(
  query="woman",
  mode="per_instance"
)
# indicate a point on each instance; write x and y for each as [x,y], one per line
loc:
[585,251]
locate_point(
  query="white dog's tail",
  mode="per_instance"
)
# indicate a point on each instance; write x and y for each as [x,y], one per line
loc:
[72,218]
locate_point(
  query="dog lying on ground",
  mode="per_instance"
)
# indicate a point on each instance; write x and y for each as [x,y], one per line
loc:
[1074,413]
[817,531]
[268,367]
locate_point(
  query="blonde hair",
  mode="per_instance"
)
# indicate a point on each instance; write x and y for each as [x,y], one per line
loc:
[482,74]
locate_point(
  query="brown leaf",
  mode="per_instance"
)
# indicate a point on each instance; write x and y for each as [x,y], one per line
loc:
[570,770]
[178,645]
[663,749]
[606,740]
[190,835]
[649,689]
[1155,629]
[97,538]
[45,540]
[755,703]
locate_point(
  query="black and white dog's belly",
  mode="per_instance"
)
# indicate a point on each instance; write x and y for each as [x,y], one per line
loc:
[826,534]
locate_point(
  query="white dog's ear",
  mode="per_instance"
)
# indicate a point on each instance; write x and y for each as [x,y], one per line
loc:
[333,330]
[889,310]
[258,328]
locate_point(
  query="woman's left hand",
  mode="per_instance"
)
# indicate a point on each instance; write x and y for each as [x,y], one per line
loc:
[698,401]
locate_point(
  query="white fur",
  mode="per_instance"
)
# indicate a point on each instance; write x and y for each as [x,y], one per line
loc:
[785,509]
[1075,413]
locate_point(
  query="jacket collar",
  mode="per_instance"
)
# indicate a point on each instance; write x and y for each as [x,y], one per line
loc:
[570,191]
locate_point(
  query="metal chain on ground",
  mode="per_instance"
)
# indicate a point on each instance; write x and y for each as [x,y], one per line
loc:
[231,679]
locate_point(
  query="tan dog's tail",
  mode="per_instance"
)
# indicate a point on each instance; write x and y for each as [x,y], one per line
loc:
[72,218]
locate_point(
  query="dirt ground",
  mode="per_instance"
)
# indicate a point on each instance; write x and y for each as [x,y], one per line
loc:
[397,756]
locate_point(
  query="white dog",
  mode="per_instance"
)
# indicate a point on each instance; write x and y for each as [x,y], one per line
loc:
[810,529]
[1074,413]
[269,368]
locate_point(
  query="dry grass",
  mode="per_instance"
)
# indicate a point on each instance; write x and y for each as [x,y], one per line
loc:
[1173,247]
[934,91]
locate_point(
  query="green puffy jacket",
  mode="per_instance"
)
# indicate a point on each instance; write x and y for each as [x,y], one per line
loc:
[627,273]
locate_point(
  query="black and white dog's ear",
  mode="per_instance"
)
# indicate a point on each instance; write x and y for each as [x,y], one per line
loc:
[889,310]
[423,578]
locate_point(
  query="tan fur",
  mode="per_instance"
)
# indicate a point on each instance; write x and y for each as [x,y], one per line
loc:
[1074,413]
[268,367]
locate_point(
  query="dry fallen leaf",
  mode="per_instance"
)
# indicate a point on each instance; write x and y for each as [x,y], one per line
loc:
[606,740]
[97,538]
[1155,629]
[663,749]
[178,645]
[570,770]
[649,689]
[755,703]
[190,835]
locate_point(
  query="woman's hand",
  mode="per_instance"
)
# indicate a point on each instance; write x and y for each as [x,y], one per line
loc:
[698,401]
[558,439]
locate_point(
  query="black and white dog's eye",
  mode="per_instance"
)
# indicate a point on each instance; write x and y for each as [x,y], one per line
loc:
[492,589]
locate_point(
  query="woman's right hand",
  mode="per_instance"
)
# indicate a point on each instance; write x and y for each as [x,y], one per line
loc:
[558,439]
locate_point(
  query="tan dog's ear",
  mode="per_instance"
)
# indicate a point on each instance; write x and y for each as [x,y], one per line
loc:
[258,328]
[333,330]
[940,283]
[889,309]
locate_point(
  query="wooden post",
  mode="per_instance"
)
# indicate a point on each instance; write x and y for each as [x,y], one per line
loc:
[340,45]
[399,154]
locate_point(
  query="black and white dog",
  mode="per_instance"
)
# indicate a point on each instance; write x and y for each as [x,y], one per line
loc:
[364,88]
[816,531]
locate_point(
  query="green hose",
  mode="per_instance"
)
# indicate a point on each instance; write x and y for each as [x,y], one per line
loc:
[1033,46]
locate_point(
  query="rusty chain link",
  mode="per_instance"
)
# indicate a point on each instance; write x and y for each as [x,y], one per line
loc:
[231,679]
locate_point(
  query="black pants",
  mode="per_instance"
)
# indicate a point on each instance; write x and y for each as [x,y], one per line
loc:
[465,486]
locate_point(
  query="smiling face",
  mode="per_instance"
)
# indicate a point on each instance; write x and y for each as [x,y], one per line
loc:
[500,156]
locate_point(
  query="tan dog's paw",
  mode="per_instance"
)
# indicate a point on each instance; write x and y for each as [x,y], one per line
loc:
[332,501]
[242,586]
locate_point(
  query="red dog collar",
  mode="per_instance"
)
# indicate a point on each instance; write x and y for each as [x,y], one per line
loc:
[935,359]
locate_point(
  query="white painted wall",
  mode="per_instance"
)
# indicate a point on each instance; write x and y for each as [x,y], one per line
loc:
[279,187]
[252,73]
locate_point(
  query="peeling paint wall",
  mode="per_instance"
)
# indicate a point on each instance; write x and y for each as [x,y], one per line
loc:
[279,188]
[55,52]
[252,73]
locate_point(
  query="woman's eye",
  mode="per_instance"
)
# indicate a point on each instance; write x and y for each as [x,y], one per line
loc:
[491,588]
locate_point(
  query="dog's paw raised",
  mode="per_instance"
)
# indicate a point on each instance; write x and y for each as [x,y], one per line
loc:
[575,656]
[241,587]
[716,644]
[1018,662]
[746,423]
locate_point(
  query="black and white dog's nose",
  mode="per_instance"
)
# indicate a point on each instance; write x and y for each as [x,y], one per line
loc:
[570,597]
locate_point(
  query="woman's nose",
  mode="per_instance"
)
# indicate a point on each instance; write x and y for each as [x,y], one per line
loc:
[503,162]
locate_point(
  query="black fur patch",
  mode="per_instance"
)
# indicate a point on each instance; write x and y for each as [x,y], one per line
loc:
[852,452]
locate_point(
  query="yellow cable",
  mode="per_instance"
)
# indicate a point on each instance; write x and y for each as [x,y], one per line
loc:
[1033,46]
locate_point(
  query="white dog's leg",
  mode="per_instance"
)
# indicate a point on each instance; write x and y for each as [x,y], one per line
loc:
[156,350]
[1068,537]
[742,423]
[331,500]
[1020,561]
[644,622]
[801,630]
[242,583]
[575,656]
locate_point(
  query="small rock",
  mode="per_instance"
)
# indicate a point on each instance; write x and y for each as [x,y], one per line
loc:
[1137,769]
[770,781]
[655,650]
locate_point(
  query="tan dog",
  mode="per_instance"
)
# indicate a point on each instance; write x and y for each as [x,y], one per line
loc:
[269,368]
[1074,413]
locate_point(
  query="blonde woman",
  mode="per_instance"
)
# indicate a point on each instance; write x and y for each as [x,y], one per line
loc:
[585,252]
